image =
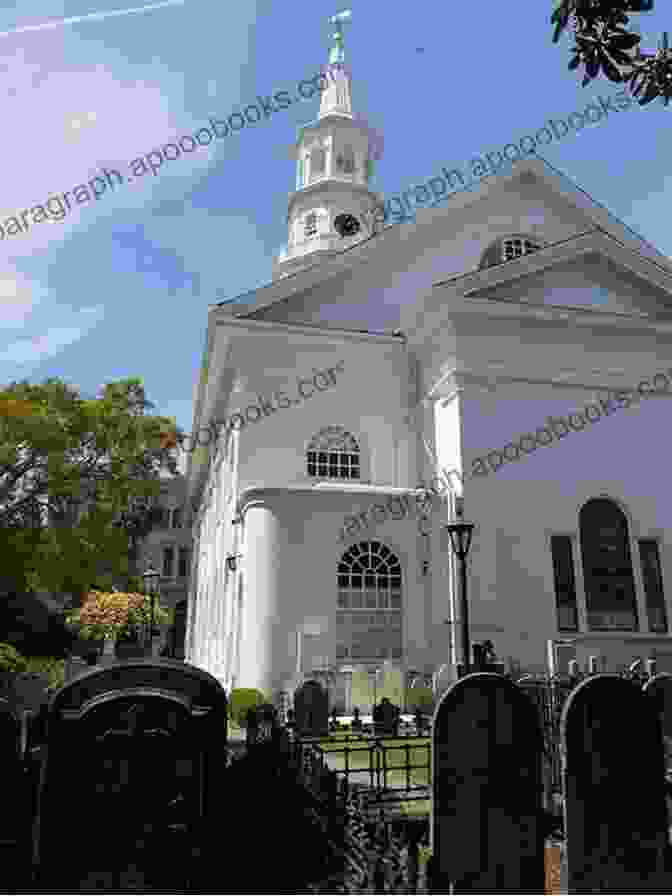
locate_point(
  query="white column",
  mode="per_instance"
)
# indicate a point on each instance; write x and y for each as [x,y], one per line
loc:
[221,604]
[229,610]
[299,640]
[261,636]
[211,604]
[237,637]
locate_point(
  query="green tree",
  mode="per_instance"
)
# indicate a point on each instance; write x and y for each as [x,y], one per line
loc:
[603,46]
[59,452]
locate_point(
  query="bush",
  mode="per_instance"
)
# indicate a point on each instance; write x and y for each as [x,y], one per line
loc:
[240,700]
[422,697]
[11,660]
[51,666]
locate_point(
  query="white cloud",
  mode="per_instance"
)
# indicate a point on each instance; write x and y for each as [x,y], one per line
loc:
[17,300]
[39,348]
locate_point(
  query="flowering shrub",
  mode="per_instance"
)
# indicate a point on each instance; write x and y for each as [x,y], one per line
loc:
[114,615]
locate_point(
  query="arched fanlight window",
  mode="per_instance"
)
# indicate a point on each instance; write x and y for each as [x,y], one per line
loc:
[369,604]
[334,454]
[310,224]
[507,249]
[607,567]
[345,160]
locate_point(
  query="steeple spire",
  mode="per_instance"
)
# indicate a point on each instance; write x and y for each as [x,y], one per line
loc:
[332,207]
[337,98]
[337,53]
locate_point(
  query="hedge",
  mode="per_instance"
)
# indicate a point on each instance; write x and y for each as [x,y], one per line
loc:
[240,700]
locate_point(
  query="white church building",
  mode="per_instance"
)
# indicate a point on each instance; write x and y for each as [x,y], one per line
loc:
[402,351]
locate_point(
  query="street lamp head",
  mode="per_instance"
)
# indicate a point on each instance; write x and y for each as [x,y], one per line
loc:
[460,537]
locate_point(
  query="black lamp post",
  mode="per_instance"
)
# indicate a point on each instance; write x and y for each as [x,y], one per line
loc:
[151,580]
[460,540]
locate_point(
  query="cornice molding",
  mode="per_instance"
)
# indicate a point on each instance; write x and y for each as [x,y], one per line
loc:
[457,382]
[261,496]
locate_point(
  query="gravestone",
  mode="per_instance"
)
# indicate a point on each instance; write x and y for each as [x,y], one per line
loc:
[659,690]
[615,813]
[267,721]
[137,753]
[311,708]
[386,718]
[15,818]
[486,827]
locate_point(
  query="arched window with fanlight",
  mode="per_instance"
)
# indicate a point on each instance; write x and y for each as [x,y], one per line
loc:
[507,249]
[333,454]
[607,567]
[369,604]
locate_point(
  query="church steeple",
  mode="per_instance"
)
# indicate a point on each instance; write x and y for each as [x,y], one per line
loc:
[337,98]
[332,207]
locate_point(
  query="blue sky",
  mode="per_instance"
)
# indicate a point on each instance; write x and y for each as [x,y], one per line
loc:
[121,287]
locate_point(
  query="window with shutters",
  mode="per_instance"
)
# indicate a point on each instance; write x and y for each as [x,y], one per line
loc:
[653,585]
[565,588]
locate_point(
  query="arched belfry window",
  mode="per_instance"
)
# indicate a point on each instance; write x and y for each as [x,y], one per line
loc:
[368,614]
[607,567]
[318,161]
[310,224]
[345,160]
[507,249]
[334,454]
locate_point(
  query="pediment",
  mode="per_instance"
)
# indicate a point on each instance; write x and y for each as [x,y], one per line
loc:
[592,280]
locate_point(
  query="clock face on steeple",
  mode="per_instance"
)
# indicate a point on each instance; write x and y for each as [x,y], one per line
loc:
[347,225]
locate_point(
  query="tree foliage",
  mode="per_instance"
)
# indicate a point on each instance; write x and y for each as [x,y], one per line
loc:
[603,46]
[58,452]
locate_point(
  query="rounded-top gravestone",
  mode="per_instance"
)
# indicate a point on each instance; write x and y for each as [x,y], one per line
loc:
[615,813]
[486,826]
[311,706]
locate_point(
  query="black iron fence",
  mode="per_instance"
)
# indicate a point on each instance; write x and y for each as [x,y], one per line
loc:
[382,766]
[549,694]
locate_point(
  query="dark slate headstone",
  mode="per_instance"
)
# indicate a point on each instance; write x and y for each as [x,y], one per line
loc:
[486,826]
[311,707]
[137,754]
[386,718]
[659,690]
[615,813]
[12,776]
